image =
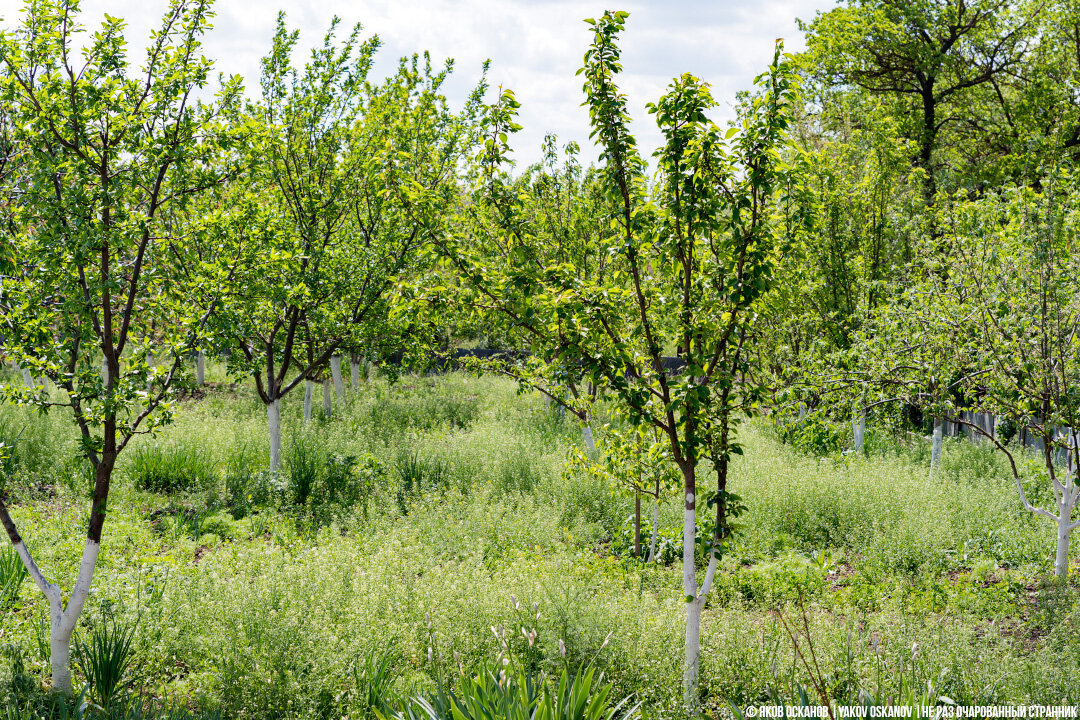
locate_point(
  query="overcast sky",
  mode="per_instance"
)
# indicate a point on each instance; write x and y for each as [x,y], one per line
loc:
[535,46]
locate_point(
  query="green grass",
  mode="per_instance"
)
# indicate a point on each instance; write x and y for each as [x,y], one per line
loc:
[445,500]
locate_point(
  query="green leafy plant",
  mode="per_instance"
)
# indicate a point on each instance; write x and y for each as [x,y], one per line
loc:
[813,434]
[373,678]
[12,574]
[305,462]
[513,693]
[105,661]
[172,468]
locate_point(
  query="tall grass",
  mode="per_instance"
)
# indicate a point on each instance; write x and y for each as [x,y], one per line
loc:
[172,468]
[446,497]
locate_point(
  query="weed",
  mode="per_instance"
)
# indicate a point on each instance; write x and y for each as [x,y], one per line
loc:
[105,661]
[172,468]
[12,574]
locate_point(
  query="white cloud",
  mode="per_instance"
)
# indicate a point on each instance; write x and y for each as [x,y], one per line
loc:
[535,47]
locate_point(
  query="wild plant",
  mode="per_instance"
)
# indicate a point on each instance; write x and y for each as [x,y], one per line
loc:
[12,574]
[105,661]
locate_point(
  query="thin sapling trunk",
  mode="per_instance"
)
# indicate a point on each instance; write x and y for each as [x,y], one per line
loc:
[309,391]
[335,373]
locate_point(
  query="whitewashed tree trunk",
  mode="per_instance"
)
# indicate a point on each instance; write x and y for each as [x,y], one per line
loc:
[651,557]
[1066,495]
[1064,530]
[695,603]
[858,427]
[309,392]
[104,371]
[587,437]
[273,411]
[200,368]
[354,368]
[62,620]
[935,448]
[335,372]
[328,406]
[28,379]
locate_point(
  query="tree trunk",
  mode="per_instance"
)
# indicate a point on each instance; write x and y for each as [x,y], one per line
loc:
[328,406]
[935,448]
[690,590]
[61,621]
[60,660]
[693,648]
[587,436]
[1061,559]
[28,379]
[695,596]
[1070,493]
[354,367]
[655,530]
[858,427]
[637,524]
[200,368]
[273,411]
[335,372]
[104,371]
[309,390]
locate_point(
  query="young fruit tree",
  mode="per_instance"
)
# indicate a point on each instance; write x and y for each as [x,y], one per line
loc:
[686,270]
[102,151]
[996,328]
[516,229]
[327,150]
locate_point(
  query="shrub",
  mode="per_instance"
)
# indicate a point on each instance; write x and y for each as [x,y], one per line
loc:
[813,434]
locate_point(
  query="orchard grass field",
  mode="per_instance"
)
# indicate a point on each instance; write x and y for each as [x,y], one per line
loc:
[431,529]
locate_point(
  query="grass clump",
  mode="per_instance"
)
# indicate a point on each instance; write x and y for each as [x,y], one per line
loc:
[172,468]
[105,661]
[12,574]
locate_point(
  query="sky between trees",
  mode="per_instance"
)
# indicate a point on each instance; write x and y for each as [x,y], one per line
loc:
[535,47]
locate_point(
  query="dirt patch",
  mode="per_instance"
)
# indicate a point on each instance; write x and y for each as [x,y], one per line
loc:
[841,575]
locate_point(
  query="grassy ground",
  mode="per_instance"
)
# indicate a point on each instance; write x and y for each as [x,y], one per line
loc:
[426,519]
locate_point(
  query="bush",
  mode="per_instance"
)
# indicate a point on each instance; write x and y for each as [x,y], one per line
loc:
[813,434]
[329,485]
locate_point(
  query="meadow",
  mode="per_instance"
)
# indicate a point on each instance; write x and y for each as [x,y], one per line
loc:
[431,535]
